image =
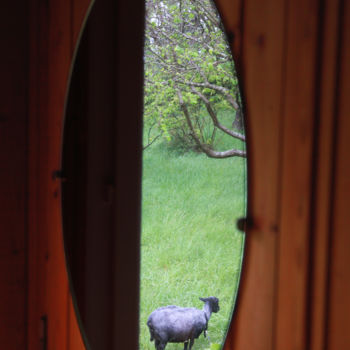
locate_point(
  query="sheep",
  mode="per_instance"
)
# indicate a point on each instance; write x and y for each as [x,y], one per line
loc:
[174,324]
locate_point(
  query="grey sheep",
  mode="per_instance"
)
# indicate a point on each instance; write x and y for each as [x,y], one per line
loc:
[174,324]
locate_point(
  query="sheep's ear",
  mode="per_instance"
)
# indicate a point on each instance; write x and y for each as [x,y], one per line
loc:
[202,299]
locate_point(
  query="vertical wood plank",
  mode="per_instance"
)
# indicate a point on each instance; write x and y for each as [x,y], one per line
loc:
[297,148]
[261,70]
[127,196]
[75,341]
[13,174]
[59,58]
[37,238]
[339,283]
[98,61]
[261,63]
[262,74]
[324,170]
[51,53]
[231,14]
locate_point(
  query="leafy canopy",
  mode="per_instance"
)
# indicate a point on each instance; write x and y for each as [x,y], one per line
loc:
[189,78]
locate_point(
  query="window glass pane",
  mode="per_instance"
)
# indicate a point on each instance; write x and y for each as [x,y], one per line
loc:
[194,172]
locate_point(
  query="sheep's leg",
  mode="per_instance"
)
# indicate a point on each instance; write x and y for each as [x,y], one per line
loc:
[159,345]
[185,345]
[191,343]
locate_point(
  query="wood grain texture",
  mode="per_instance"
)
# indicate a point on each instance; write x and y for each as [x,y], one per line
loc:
[128,173]
[260,67]
[51,49]
[295,281]
[325,122]
[231,15]
[296,175]
[297,196]
[59,58]
[37,238]
[13,175]
[75,341]
[339,282]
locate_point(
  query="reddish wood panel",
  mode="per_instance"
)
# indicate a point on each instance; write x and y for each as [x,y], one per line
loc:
[262,69]
[297,196]
[54,31]
[231,15]
[259,39]
[59,59]
[324,169]
[277,52]
[13,175]
[37,245]
[75,340]
[339,283]
[296,174]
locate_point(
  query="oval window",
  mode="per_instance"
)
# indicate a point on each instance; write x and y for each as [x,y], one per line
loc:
[194,178]
[193,182]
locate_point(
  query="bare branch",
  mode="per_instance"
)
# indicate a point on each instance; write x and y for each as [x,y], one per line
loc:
[205,148]
[150,143]
[215,119]
[225,154]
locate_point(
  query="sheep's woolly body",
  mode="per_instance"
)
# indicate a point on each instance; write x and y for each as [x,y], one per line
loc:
[173,324]
[178,324]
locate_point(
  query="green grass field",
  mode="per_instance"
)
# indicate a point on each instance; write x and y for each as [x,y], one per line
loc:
[190,246]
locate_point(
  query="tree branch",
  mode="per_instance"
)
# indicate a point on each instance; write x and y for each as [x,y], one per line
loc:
[215,119]
[221,89]
[150,143]
[205,148]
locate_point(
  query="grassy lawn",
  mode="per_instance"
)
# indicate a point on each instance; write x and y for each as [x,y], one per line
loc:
[190,245]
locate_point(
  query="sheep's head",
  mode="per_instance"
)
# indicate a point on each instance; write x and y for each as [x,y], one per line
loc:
[213,302]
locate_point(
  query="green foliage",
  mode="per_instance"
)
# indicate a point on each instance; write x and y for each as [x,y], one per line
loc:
[186,51]
[190,246]
[215,347]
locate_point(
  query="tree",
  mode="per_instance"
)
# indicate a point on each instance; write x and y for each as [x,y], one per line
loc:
[189,77]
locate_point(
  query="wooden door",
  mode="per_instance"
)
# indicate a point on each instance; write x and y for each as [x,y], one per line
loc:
[54,32]
[291,57]
[293,62]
